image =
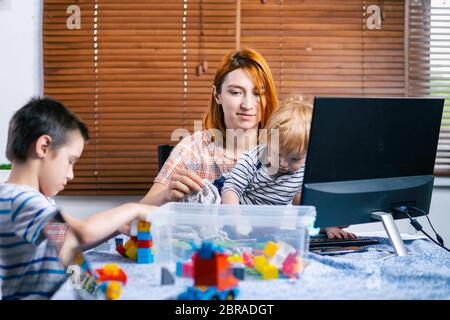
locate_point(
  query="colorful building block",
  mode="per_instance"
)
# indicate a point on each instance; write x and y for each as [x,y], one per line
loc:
[187,270]
[144,255]
[144,236]
[179,268]
[144,243]
[119,242]
[131,252]
[143,226]
[111,272]
[129,243]
[248,259]
[121,251]
[238,272]
[291,266]
[260,263]
[235,258]
[111,269]
[113,290]
[270,272]
[270,249]
[166,277]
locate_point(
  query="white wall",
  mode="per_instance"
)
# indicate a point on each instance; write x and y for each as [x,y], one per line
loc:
[21,78]
[20,59]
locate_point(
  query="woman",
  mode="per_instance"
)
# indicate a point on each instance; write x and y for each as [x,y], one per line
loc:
[243,99]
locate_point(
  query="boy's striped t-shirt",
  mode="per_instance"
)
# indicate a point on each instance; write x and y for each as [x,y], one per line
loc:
[252,182]
[29,264]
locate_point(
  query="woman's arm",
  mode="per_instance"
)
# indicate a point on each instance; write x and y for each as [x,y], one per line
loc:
[174,181]
[183,183]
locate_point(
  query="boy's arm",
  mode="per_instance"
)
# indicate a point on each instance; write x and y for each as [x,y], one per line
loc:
[296,200]
[102,225]
[239,179]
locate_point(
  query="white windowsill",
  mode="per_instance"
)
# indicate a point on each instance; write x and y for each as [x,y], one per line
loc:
[442,181]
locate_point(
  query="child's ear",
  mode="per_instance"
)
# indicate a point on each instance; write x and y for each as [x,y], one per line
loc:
[217,96]
[43,144]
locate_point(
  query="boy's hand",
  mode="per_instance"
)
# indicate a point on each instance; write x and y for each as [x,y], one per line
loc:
[338,233]
[142,212]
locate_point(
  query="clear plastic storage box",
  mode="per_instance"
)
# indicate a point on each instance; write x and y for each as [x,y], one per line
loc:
[272,236]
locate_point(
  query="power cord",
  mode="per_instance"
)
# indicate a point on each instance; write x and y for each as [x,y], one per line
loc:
[438,237]
[405,210]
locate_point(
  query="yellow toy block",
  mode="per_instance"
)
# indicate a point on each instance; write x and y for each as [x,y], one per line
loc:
[235,259]
[143,226]
[128,244]
[270,272]
[113,291]
[111,269]
[270,249]
[131,252]
[260,263]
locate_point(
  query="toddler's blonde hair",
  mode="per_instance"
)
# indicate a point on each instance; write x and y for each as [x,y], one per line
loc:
[293,120]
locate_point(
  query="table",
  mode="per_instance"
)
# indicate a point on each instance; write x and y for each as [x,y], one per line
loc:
[375,274]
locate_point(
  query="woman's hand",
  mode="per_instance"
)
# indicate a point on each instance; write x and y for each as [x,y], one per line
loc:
[183,183]
[338,233]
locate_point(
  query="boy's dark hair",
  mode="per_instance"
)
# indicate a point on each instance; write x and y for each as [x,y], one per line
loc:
[41,116]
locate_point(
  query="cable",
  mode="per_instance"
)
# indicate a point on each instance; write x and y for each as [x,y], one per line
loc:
[438,237]
[417,225]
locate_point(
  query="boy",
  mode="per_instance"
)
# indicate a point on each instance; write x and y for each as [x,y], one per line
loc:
[45,140]
[255,179]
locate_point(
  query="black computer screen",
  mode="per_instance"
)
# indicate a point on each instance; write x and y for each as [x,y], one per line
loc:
[371,138]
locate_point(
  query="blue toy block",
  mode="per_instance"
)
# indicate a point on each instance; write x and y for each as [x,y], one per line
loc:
[85,266]
[119,241]
[179,269]
[144,236]
[144,260]
[206,250]
[144,255]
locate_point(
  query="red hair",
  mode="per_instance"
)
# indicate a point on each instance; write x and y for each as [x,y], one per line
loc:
[258,70]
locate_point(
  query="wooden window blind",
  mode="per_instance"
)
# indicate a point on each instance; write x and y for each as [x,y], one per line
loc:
[429,64]
[137,70]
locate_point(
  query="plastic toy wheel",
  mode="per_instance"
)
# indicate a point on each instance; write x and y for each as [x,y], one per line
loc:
[113,290]
[230,296]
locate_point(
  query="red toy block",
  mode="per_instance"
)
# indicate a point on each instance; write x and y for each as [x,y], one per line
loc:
[120,250]
[145,243]
[291,265]
[248,259]
[187,269]
[104,277]
[214,272]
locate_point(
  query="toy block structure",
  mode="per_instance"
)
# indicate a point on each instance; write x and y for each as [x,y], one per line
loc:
[139,246]
[213,276]
[103,283]
[111,272]
[211,267]
[144,243]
